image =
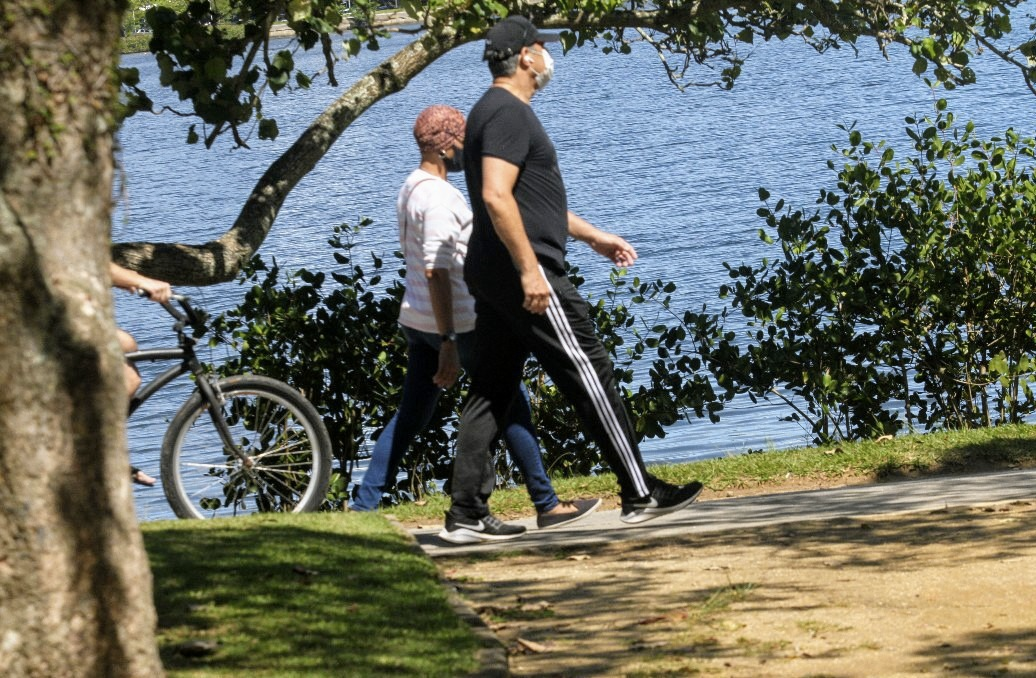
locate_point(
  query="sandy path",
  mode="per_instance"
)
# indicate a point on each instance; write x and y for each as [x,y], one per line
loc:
[949,592]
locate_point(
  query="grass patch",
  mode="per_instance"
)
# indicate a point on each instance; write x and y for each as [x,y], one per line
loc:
[816,628]
[667,655]
[308,595]
[722,599]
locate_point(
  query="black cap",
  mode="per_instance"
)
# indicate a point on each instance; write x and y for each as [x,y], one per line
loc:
[507,38]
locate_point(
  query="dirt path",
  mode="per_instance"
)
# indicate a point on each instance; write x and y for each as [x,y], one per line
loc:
[950,592]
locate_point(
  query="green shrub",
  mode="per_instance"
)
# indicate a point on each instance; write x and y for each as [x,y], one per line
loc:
[906,299]
[335,337]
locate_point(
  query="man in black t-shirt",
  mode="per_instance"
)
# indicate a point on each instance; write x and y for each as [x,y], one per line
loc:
[524,303]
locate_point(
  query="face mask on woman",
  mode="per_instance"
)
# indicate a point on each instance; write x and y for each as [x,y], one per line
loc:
[456,163]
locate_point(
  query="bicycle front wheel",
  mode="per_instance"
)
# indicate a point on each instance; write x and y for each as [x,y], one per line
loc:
[280,461]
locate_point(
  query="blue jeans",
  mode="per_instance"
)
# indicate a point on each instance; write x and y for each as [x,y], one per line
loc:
[420,396]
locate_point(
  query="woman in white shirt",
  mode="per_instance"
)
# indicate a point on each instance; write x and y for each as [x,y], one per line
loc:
[437,318]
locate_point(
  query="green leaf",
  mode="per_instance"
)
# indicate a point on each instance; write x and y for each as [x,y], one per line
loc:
[283,60]
[129,76]
[930,49]
[215,68]
[299,10]
[268,128]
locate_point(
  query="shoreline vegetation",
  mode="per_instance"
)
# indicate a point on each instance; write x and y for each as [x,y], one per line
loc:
[137,43]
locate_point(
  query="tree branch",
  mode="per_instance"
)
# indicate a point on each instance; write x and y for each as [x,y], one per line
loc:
[701,32]
[221,260]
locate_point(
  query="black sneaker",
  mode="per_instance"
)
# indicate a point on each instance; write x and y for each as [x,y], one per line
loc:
[583,508]
[664,498]
[468,531]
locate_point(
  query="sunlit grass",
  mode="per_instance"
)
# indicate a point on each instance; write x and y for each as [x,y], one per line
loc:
[338,594]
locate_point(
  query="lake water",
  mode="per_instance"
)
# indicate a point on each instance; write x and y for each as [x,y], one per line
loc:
[676,173]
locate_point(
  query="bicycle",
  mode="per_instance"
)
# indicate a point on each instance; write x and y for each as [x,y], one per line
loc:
[263,446]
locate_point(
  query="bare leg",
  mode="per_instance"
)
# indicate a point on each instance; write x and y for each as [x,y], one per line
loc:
[141,478]
[132,379]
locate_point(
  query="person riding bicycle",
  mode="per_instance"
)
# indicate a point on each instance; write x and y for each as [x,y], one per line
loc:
[158,291]
[240,443]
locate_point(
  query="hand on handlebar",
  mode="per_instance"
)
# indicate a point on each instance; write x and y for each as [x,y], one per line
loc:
[155,290]
[124,278]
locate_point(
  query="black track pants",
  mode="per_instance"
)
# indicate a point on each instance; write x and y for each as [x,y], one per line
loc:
[564,342]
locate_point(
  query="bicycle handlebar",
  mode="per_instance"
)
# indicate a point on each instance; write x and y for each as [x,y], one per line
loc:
[196,318]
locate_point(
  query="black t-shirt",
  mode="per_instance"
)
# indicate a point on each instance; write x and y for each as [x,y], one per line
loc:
[503,126]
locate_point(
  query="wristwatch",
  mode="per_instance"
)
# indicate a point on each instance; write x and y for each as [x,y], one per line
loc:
[449,336]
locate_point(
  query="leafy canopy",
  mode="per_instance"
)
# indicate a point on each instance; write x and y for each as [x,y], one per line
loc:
[218,57]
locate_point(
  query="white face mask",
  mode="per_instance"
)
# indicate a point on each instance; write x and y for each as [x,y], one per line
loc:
[543,77]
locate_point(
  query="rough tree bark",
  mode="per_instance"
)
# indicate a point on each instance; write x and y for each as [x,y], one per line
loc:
[75,587]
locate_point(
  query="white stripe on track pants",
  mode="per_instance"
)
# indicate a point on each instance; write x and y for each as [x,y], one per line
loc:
[565,344]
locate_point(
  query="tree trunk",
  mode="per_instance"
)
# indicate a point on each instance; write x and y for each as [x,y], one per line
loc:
[75,587]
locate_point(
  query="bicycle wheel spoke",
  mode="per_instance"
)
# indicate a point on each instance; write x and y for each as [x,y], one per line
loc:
[286,490]
[211,491]
[282,450]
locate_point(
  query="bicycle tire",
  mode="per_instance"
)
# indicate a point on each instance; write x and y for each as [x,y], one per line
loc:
[280,431]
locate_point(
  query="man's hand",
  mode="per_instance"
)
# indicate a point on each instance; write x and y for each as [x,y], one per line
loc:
[537,292]
[449,365]
[620,252]
[609,245]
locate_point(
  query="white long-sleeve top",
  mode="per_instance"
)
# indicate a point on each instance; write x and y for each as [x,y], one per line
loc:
[434,227]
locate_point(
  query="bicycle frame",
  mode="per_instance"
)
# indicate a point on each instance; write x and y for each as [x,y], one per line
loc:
[188,362]
[152,387]
[267,448]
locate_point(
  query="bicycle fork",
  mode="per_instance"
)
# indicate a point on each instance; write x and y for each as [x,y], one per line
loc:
[210,391]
